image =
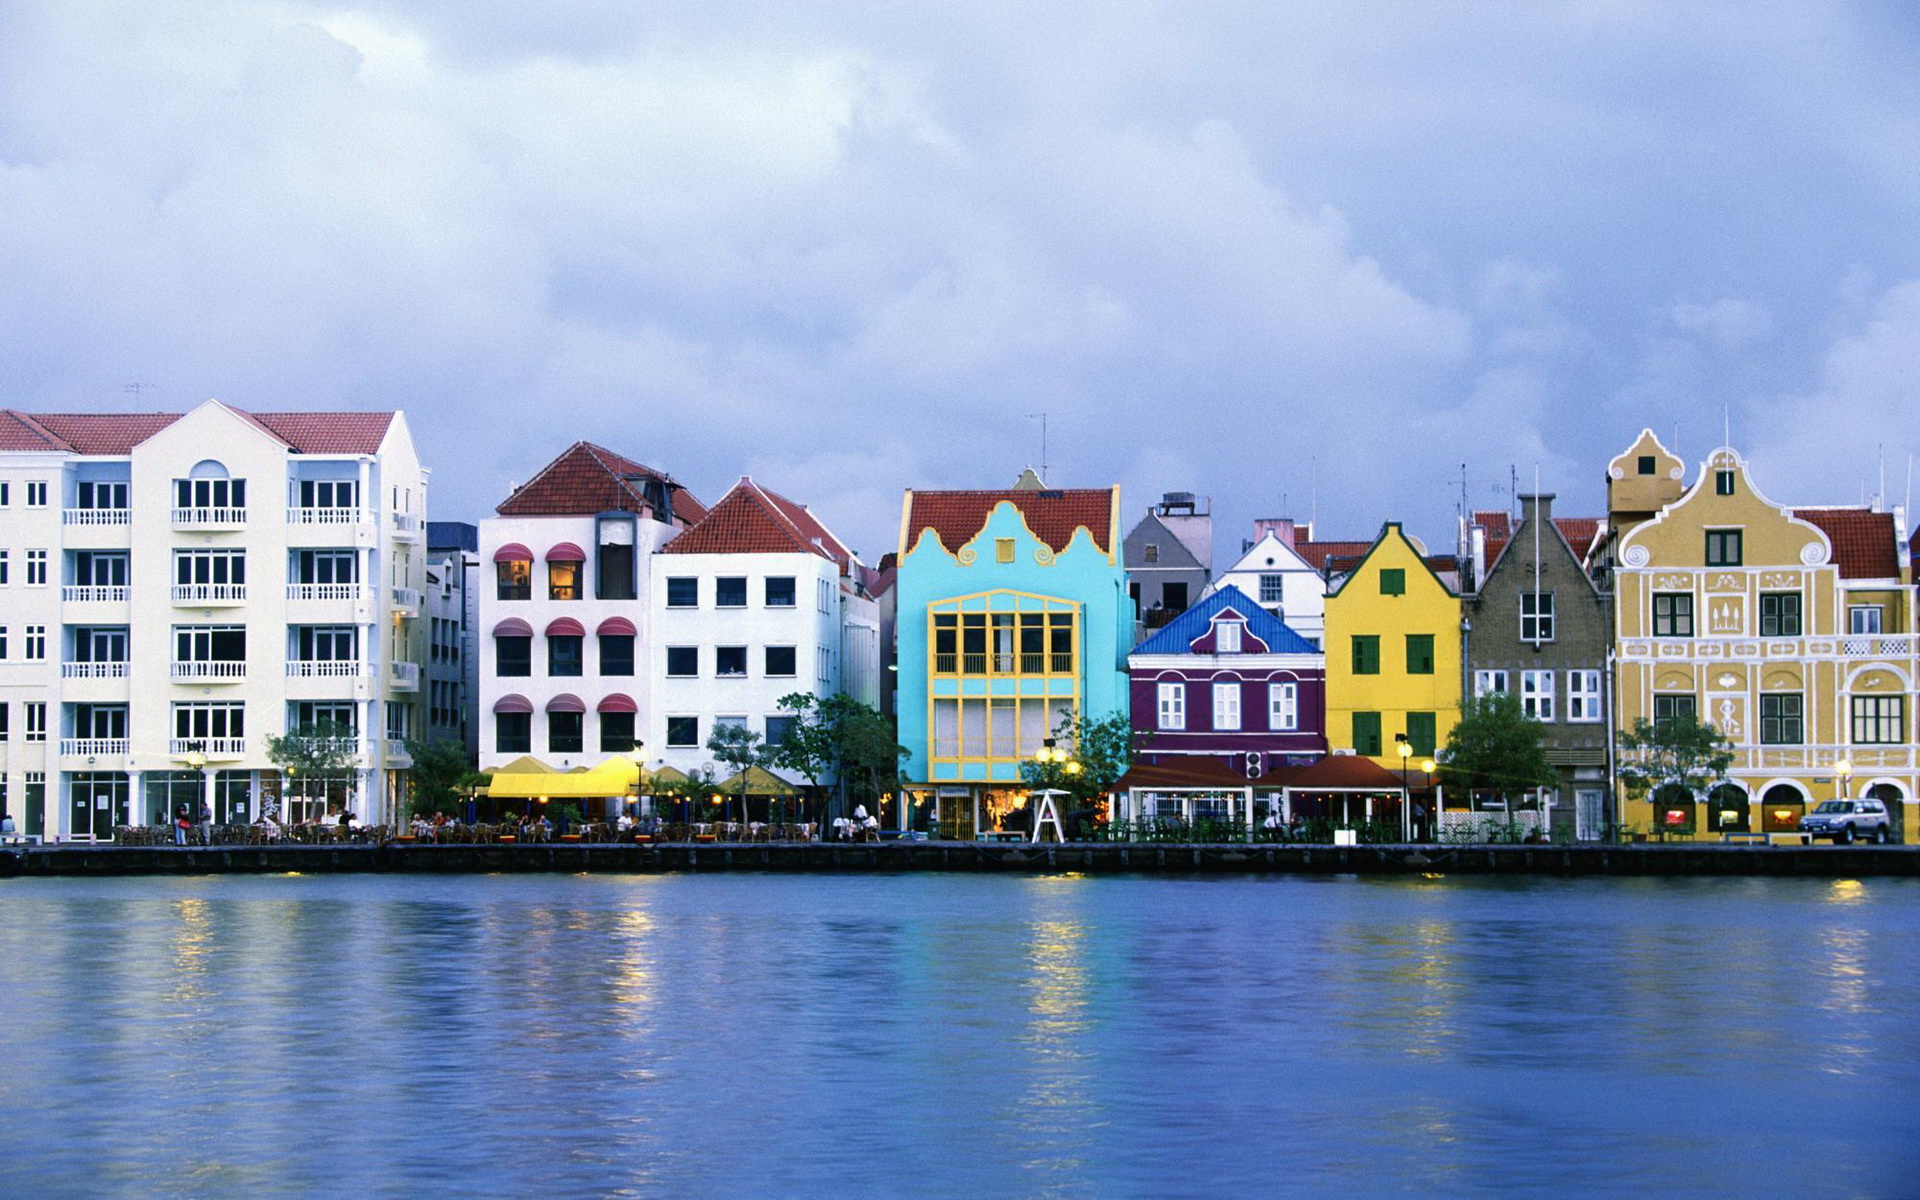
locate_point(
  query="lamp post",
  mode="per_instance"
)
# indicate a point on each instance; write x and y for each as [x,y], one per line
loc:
[638,753]
[1842,771]
[1050,755]
[1403,746]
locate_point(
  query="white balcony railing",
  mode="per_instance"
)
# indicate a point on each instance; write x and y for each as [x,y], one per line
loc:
[332,668]
[92,747]
[406,597]
[406,524]
[93,670]
[404,676]
[209,518]
[211,747]
[94,594]
[96,516]
[209,593]
[324,591]
[1875,646]
[328,516]
[223,670]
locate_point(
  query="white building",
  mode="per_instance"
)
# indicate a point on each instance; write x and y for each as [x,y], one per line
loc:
[1278,575]
[564,617]
[176,587]
[756,601]
[453,619]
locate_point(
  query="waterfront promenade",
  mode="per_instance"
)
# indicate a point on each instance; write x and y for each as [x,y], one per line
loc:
[1105,858]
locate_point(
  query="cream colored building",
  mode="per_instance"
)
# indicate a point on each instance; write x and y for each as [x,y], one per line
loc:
[174,588]
[1791,630]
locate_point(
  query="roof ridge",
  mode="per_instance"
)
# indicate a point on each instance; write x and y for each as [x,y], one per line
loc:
[28,420]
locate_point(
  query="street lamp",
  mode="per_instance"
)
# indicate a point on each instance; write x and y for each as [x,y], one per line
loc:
[1843,771]
[638,753]
[1403,746]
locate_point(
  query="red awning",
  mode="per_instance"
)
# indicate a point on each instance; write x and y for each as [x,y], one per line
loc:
[565,627]
[566,552]
[618,702]
[513,702]
[566,702]
[513,627]
[513,552]
[617,627]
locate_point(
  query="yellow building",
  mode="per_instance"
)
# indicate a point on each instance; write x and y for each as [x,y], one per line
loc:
[1393,654]
[1789,630]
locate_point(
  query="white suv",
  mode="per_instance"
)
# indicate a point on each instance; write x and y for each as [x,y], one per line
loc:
[1845,820]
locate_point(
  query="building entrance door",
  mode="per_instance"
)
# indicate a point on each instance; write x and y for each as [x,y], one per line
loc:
[95,804]
[1589,814]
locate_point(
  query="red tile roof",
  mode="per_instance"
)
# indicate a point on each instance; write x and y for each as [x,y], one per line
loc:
[1317,554]
[587,479]
[749,519]
[1864,546]
[956,518]
[1580,532]
[118,433]
[1335,772]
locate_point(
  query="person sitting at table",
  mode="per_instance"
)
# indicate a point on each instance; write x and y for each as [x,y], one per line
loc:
[625,823]
[269,828]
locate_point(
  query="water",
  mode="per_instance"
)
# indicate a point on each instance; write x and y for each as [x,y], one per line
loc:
[957,1036]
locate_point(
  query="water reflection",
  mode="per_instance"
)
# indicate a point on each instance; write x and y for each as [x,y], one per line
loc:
[948,1035]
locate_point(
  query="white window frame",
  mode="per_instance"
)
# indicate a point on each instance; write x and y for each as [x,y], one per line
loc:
[35,643]
[1226,637]
[1858,616]
[37,488]
[1584,702]
[36,568]
[1226,706]
[1279,581]
[1485,682]
[36,720]
[1537,625]
[1171,705]
[1283,706]
[1536,695]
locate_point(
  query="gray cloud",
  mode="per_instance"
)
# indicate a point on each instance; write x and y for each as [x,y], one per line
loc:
[851,249]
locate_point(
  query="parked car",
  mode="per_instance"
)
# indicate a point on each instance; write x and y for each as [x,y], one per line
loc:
[1845,820]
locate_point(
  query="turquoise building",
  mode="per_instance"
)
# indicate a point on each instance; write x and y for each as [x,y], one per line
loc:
[1013,618]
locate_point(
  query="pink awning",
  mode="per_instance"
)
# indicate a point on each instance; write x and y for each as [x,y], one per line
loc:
[566,702]
[566,552]
[617,702]
[513,627]
[513,552]
[617,627]
[565,627]
[513,702]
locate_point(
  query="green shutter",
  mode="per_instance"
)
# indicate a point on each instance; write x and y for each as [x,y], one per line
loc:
[1419,654]
[1420,731]
[1366,732]
[1393,581]
[1366,654]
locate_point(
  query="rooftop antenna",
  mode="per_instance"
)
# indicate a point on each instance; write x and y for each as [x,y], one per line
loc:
[1465,504]
[1909,504]
[1880,501]
[1042,418]
[1726,424]
[1313,493]
[134,390]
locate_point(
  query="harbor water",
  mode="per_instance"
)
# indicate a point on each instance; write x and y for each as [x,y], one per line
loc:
[958,1035]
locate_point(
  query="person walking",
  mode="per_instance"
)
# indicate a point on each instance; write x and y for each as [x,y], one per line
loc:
[181,824]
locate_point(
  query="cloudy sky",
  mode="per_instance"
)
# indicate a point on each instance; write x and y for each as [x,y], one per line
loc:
[851,248]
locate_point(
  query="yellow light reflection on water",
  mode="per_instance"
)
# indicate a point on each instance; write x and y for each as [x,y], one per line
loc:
[1058,1103]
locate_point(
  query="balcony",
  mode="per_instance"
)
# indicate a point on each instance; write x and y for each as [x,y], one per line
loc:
[210,518]
[329,516]
[407,599]
[93,747]
[93,670]
[228,748]
[94,594]
[406,525]
[96,516]
[1003,663]
[211,672]
[403,676]
[331,668]
[1876,646]
[210,593]
[325,591]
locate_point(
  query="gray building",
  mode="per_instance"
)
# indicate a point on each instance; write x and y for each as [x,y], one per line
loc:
[453,618]
[1538,625]
[1169,559]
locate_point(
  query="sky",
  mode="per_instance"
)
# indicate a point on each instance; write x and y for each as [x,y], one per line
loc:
[1306,259]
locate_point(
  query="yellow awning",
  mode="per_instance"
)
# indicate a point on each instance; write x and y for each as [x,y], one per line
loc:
[613,777]
[760,782]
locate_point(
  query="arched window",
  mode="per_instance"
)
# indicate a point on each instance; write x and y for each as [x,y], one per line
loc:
[209,486]
[1673,810]
[1781,808]
[1727,809]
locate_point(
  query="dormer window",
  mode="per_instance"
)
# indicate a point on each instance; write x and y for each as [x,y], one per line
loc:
[1226,637]
[1646,464]
[1723,483]
[1150,552]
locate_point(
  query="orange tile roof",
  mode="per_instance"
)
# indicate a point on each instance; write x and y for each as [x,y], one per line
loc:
[1864,546]
[118,433]
[587,479]
[749,519]
[1580,532]
[1318,554]
[957,517]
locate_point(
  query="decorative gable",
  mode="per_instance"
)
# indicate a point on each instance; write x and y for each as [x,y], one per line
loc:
[1196,631]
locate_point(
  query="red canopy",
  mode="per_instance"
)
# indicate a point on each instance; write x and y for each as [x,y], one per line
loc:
[513,552]
[565,627]
[617,702]
[617,627]
[1334,773]
[566,702]
[513,702]
[513,627]
[566,552]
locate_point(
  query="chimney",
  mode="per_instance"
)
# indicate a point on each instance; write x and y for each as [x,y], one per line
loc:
[1280,527]
[1540,504]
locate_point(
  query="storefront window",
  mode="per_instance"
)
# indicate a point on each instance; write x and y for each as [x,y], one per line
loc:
[1728,809]
[1674,810]
[1781,809]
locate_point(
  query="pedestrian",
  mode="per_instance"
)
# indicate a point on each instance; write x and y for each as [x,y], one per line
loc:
[181,824]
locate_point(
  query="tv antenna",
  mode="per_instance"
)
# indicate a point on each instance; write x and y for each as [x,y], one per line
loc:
[134,390]
[1042,418]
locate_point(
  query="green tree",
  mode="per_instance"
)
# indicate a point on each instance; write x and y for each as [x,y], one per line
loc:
[440,774]
[840,736]
[1496,746]
[1099,752]
[739,748]
[808,749]
[1683,752]
[315,757]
